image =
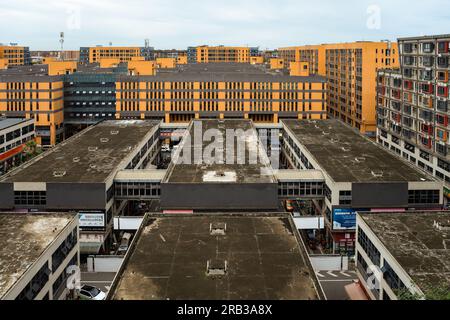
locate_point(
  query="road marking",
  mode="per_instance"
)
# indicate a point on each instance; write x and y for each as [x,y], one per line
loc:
[332,274]
[345,274]
[320,275]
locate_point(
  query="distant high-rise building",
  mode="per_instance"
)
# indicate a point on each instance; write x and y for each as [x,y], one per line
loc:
[15,55]
[351,70]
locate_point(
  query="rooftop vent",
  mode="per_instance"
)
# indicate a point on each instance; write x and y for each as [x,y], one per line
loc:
[104,140]
[76,159]
[345,149]
[218,229]
[92,166]
[216,268]
[334,140]
[114,132]
[360,159]
[59,173]
[442,226]
[92,149]
[377,174]
[325,133]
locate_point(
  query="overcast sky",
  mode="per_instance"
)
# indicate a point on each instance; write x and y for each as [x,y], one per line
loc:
[181,23]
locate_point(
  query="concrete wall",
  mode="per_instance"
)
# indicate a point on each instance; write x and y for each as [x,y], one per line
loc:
[209,196]
[76,196]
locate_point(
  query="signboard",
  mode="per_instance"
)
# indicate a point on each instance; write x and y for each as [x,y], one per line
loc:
[344,219]
[91,220]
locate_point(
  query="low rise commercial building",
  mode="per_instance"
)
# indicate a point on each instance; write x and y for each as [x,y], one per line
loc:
[35,252]
[78,175]
[404,256]
[15,133]
[359,176]
[217,257]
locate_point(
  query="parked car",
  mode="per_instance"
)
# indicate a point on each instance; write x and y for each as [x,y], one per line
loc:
[91,293]
[165,148]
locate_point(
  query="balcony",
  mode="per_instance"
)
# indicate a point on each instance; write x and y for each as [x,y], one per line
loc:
[442,105]
[443,62]
[443,47]
[428,62]
[409,60]
[428,47]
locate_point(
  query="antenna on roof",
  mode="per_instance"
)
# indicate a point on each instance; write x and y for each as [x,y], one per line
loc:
[147,43]
[61,40]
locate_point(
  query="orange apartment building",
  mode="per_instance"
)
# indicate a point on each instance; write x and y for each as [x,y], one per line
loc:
[351,72]
[206,54]
[63,93]
[95,54]
[15,55]
[35,97]
[222,91]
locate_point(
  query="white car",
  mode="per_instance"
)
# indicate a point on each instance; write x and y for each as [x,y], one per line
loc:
[165,148]
[91,293]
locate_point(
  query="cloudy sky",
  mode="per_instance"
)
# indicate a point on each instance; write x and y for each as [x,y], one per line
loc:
[180,23]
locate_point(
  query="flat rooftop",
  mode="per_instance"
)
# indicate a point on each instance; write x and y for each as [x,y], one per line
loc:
[169,260]
[91,156]
[243,169]
[225,72]
[10,122]
[347,156]
[422,250]
[23,239]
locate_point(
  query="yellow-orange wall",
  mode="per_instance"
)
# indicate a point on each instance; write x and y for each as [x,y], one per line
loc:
[276,63]
[166,63]
[56,68]
[300,69]
[16,56]
[206,54]
[373,58]
[23,96]
[182,60]
[180,102]
[257,60]
[3,64]
[142,68]
[122,53]
[109,62]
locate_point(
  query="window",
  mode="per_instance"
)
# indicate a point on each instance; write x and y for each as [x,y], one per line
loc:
[392,278]
[345,197]
[30,198]
[370,249]
[424,197]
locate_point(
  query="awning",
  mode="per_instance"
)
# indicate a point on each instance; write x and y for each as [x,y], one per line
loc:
[355,292]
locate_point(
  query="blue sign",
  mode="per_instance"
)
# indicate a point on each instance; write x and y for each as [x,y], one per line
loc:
[345,219]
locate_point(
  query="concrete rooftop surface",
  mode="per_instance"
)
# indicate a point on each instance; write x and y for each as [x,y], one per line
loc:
[243,169]
[347,156]
[413,240]
[90,156]
[263,257]
[23,239]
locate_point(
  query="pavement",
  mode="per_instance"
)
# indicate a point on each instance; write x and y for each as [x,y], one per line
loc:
[334,282]
[100,280]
